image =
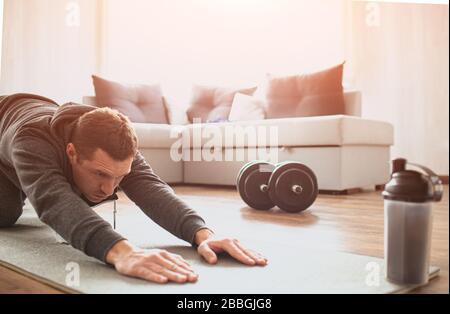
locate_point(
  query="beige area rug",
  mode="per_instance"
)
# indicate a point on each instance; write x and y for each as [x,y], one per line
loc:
[32,249]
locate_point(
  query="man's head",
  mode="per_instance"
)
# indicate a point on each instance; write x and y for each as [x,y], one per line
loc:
[101,151]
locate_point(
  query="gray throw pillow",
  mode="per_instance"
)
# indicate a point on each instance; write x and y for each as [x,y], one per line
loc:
[140,103]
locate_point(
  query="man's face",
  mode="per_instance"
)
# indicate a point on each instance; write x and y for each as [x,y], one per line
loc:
[97,178]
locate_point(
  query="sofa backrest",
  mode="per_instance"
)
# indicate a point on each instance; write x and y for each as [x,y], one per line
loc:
[352,99]
[89,100]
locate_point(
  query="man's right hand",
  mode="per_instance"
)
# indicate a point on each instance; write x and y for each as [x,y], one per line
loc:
[153,265]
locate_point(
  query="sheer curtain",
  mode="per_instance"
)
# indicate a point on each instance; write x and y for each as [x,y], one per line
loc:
[50,47]
[401,65]
[1,34]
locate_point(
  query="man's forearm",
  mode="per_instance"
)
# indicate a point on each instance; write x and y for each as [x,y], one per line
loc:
[159,202]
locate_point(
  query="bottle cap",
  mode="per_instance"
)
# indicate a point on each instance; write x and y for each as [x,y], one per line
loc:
[412,186]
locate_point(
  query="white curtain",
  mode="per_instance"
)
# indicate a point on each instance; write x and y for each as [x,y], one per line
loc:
[400,63]
[50,47]
[1,34]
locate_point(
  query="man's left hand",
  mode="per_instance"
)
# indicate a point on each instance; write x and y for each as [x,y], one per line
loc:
[209,246]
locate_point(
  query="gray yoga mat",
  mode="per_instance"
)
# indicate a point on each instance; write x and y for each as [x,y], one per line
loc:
[32,249]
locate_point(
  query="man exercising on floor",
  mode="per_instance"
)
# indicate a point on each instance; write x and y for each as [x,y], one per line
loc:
[68,158]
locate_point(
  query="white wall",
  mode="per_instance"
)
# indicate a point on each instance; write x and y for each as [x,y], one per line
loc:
[226,42]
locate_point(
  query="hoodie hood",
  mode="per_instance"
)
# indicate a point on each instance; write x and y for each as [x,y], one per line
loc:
[63,121]
[9,101]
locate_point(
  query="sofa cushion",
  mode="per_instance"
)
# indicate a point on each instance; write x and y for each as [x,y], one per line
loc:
[141,103]
[213,103]
[337,130]
[246,107]
[306,95]
[153,135]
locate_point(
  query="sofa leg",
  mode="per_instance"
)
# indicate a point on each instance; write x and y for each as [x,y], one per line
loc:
[343,192]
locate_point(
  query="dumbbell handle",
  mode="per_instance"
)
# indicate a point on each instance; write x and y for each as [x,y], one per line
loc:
[264,188]
[297,189]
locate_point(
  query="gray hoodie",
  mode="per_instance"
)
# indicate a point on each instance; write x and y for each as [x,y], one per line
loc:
[34,132]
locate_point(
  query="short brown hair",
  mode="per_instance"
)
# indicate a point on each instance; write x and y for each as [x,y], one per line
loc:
[106,129]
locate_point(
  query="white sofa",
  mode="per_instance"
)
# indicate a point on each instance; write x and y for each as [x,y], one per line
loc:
[346,152]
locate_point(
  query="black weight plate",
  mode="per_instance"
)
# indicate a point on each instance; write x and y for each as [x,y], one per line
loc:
[286,175]
[244,167]
[249,181]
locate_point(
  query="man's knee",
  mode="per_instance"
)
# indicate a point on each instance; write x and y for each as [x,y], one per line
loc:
[8,218]
[11,204]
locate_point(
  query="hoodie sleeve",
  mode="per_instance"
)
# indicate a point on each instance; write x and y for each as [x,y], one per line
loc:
[51,194]
[159,202]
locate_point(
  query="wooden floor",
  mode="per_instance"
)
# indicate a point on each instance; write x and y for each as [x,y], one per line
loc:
[351,223]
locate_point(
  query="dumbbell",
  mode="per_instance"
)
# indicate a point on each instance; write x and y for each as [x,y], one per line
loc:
[291,186]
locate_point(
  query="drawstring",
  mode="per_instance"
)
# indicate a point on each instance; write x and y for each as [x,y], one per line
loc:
[114,215]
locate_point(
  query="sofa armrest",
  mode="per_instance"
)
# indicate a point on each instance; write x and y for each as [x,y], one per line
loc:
[352,100]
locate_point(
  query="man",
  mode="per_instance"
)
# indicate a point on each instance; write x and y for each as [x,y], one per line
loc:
[68,158]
